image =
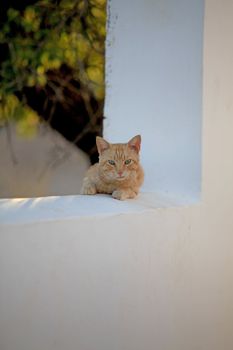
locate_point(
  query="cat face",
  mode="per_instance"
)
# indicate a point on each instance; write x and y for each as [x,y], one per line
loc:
[118,162]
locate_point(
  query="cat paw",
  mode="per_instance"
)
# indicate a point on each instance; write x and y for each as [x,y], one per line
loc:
[122,195]
[88,189]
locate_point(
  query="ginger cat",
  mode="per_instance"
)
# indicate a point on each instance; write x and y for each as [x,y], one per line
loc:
[118,172]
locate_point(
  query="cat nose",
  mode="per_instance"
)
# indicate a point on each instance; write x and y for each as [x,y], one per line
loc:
[120,173]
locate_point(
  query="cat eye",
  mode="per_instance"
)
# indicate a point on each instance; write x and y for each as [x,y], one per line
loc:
[111,162]
[128,161]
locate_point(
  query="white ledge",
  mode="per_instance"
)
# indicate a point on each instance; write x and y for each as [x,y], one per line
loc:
[28,210]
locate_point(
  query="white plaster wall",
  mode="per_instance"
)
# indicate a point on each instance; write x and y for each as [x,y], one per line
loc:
[160,279]
[45,165]
[154,77]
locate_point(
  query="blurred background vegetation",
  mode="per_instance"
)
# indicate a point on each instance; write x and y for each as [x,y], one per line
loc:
[52,58]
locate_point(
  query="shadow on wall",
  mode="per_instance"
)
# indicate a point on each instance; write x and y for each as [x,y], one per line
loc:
[46,165]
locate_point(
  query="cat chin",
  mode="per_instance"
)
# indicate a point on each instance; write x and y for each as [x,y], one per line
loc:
[115,180]
[120,178]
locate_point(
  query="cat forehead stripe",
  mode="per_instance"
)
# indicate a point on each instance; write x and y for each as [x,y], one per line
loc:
[119,153]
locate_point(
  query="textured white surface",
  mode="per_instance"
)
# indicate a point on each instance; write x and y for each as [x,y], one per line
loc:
[154,79]
[25,210]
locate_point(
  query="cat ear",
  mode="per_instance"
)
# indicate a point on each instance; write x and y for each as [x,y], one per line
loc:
[101,144]
[135,143]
